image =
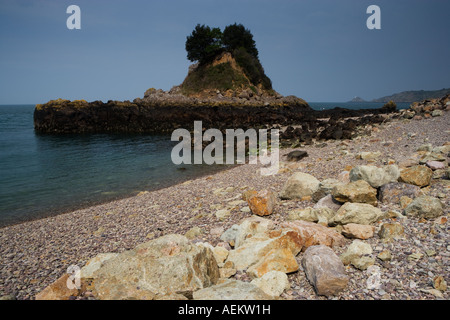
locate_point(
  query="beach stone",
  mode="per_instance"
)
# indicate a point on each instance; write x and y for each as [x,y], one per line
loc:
[357,191]
[296,155]
[375,176]
[262,203]
[273,283]
[311,214]
[220,253]
[324,270]
[405,201]
[94,264]
[417,175]
[432,156]
[358,254]
[230,235]
[250,227]
[299,185]
[325,188]
[166,265]
[344,176]
[408,163]
[425,207]
[436,165]
[328,202]
[394,191]
[437,113]
[439,283]
[359,213]
[385,255]
[425,147]
[222,214]
[232,290]
[254,249]
[358,231]
[58,290]
[248,193]
[280,259]
[391,231]
[193,232]
[369,155]
[315,234]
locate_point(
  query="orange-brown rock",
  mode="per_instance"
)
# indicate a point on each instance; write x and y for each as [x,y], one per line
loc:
[315,234]
[58,290]
[262,203]
[417,175]
[358,231]
[280,259]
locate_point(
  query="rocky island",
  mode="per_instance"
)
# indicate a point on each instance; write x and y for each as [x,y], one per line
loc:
[225,88]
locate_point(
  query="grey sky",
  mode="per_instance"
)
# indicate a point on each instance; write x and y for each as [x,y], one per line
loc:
[318,50]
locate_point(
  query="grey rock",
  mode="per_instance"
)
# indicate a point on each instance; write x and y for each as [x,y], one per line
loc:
[299,185]
[324,270]
[392,192]
[232,290]
[375,176]
[359,213]
[425,207]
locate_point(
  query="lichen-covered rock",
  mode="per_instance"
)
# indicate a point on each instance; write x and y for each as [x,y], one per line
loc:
[359,213]
[166,265]
[417,175]
[425,207]
[391,231]
[359,255]
[375,176]
[357,191]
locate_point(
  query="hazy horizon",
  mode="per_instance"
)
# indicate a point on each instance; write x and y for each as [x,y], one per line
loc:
[320,51]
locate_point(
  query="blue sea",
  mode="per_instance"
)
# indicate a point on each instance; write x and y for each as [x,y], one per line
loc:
[43,175]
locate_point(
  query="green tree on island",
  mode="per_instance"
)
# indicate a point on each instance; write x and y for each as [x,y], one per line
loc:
[204,44]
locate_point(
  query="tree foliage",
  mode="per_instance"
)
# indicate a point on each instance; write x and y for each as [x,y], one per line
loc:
[236,36]
[204,43]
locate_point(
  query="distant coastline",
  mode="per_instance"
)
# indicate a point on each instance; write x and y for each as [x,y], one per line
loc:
[408,96]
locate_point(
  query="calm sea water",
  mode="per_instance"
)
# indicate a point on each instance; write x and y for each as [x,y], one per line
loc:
[42,175]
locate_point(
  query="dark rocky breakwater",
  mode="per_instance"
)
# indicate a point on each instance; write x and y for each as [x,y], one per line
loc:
[64,116]
[161,113]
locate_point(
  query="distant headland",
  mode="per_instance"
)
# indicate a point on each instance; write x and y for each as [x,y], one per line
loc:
[408,96]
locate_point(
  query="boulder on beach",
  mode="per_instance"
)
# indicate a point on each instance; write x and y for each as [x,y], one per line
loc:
[324,270]
[299,185]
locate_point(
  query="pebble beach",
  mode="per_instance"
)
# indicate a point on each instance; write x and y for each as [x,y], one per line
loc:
[36,253]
